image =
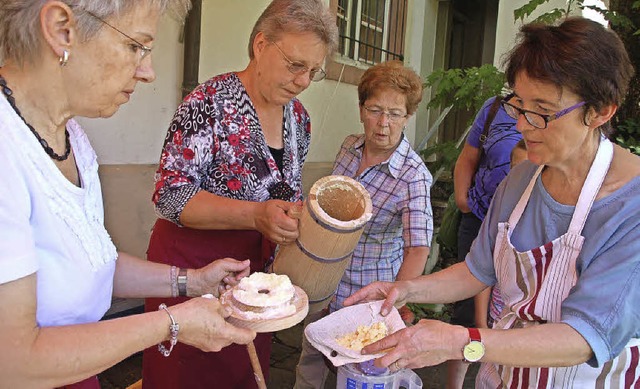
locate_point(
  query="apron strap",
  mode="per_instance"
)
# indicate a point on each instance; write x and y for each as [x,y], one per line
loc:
[514,218]
[592,185]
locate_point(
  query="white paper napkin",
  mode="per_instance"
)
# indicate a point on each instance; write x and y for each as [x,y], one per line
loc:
[323,333]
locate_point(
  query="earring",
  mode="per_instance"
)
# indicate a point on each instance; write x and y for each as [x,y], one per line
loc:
[64,58]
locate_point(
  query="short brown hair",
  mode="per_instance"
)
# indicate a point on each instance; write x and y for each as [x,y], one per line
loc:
[393,75]
[579,54]
[296,16]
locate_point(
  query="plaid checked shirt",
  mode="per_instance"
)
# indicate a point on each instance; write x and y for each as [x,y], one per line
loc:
[402,216]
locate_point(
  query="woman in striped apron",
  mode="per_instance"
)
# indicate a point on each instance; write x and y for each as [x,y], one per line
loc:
[561,239]
[536,283]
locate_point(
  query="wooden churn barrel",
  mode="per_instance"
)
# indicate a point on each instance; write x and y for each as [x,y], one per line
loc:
[331,223]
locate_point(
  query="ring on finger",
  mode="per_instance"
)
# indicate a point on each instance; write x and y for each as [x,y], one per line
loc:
[395,365]
[284,239]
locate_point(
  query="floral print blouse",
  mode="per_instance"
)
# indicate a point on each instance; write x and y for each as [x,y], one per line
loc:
[215,143]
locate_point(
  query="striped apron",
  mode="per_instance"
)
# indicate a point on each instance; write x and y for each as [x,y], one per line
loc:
[534,284]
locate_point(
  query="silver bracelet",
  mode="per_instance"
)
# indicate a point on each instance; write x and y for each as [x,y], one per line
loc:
[174,328]
[173,279]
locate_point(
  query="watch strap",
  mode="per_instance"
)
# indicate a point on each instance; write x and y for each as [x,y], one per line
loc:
[182,282]
[474,335]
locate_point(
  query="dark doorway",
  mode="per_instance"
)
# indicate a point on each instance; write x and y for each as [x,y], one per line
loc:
[471,42]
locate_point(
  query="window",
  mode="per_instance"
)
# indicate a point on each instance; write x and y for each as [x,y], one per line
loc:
[371,31]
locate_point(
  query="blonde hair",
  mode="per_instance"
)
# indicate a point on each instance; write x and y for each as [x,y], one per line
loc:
[393,75]
[20,21]
[295,17]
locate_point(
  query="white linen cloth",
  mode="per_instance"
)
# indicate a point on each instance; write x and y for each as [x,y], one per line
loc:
[323,333]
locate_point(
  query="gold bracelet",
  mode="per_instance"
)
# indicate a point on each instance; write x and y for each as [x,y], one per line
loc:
[174,328]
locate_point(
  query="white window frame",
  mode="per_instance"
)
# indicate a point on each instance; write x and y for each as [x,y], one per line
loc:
[345,68]
[348,17]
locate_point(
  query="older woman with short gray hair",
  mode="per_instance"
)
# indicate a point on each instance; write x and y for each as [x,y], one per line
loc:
[231,168]
[58,266]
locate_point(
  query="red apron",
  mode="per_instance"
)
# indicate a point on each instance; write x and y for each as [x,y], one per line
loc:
[188,367]
[89,383]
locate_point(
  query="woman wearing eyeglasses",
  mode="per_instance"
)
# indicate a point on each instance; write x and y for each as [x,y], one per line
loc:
[395,242]
[231,169]
[58,266]
[561,238]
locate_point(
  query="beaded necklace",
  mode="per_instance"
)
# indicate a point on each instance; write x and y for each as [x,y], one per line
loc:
[9,95]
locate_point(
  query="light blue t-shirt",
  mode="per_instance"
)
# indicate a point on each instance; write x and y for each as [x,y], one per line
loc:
[604,305]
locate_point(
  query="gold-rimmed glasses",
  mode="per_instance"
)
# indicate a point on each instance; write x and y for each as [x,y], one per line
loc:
[138,47]
[297,68]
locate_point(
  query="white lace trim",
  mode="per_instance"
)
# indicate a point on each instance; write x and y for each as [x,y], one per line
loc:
[82,215]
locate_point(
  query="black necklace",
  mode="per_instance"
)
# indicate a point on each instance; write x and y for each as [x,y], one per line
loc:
[67,151]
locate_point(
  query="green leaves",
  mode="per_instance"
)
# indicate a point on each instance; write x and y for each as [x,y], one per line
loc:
[627,135]
[465,88]
[446,152]
[526,10]
[551,17]
[431,311]
[615,18]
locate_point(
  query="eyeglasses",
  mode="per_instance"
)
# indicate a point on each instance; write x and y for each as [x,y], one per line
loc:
[537,120]
[136,46]
[317,74]
[376,113]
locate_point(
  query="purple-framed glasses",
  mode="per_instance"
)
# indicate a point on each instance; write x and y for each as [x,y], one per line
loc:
[537,120]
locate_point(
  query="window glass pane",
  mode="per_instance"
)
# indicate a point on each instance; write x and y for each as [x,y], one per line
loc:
[364,35]
[343,26]
[370,45]
[373,13]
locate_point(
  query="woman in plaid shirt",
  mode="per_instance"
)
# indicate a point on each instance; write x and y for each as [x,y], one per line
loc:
[395,242]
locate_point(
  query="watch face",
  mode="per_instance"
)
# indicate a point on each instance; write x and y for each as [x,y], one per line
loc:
[473,351]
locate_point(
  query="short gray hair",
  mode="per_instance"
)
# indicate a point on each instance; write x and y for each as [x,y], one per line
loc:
[20,21]
[296,16]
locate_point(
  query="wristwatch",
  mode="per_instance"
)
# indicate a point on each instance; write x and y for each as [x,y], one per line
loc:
[474,350]
[182,282]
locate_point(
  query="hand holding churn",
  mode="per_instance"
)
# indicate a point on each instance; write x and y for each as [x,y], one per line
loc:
[330,226]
